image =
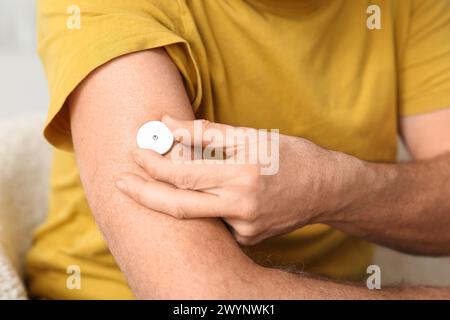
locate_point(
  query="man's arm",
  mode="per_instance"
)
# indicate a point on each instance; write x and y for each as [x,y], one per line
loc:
[407,205]
[160,256]
[163,257]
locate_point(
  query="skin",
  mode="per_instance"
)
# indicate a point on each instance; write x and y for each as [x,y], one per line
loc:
[161,256]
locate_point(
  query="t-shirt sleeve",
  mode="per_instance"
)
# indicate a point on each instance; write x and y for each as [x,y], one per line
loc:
[75,40]
[424,75]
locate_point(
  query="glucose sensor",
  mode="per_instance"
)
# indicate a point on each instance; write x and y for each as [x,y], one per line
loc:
[155,135]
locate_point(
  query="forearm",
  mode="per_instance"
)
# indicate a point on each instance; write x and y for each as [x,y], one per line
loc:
[277,284]
[405,206]
[164,258]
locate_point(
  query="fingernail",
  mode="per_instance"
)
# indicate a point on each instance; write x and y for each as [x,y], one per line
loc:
[137,158]
[121,185]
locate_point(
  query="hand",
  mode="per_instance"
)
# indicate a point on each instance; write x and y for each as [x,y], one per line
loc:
[256,204]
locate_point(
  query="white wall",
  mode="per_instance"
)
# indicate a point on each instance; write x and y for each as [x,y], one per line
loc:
[22,82]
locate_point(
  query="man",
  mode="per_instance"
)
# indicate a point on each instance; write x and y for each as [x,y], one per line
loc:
[339,93]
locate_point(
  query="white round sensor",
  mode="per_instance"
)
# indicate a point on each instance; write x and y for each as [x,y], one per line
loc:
[156,136]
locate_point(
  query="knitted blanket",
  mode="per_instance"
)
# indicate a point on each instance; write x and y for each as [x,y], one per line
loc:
[24,166]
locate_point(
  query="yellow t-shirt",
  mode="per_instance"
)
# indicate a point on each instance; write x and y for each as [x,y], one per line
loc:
[311,68]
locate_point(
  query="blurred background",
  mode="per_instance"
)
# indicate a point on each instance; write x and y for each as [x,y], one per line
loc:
[24,155]
[22,82]
[25,161]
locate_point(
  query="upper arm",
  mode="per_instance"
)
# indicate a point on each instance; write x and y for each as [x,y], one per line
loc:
[427,135]
[156,252]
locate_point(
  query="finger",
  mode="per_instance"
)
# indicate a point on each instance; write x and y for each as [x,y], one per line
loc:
[244,232]
[246,241]
[253,239]
[194,175]
[199,132]
[164,198]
